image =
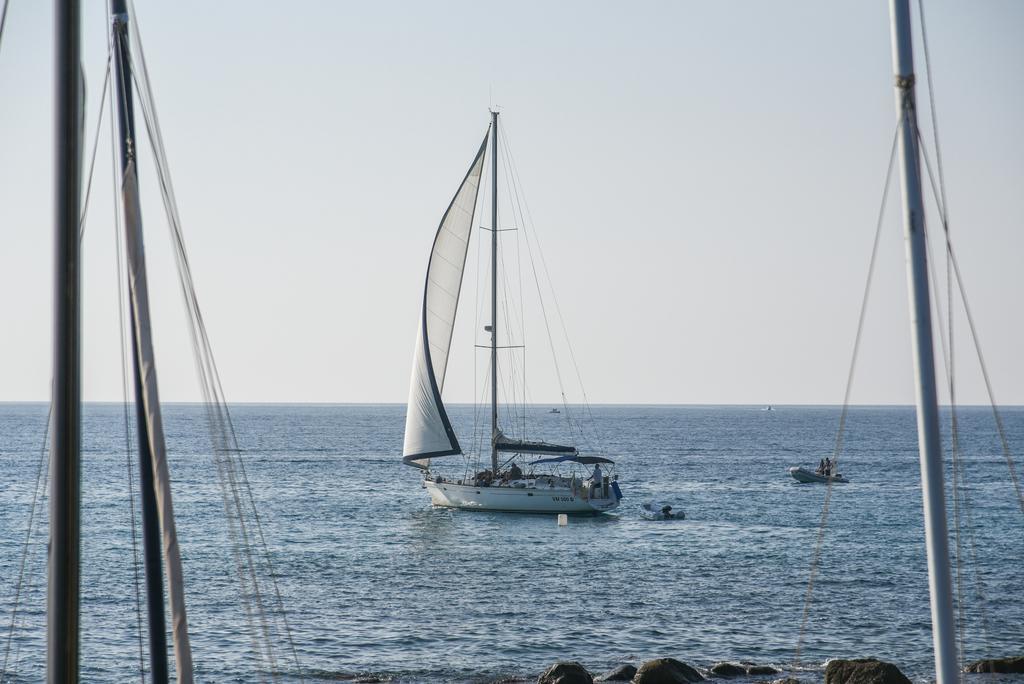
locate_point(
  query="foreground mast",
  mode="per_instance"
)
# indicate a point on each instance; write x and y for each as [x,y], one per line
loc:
[65,462]
[932,488]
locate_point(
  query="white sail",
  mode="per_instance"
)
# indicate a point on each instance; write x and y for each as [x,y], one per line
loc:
[428,432]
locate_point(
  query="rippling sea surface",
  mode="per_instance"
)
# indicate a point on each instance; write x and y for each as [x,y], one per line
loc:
[379,583]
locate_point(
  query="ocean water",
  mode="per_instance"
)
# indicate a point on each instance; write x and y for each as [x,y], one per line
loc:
[378,583]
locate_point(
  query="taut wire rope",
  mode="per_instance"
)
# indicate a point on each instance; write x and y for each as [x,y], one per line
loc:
[240,504]
[42,473]
[819,542]
[529,222]
[997,416]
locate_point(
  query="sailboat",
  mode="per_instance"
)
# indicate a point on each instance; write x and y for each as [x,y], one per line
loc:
[505,486]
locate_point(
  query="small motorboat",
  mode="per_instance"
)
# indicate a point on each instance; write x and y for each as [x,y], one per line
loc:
[804,475]
[656,511]
[554,410]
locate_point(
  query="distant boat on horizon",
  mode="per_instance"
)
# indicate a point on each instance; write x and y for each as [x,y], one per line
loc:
[507,485]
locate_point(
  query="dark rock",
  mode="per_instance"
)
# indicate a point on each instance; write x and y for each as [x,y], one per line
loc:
[863,671]
[623,673]
[999,665]
[761,670]
[728,670]
[566,673]
[666,671]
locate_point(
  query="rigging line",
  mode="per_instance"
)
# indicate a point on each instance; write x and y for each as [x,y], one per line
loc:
[947,356]
[943,205]
[519,201]
[934,116]
[522,300]
[961,496]
[26,545]
[959,489]
[508,314]
[3,20]
[95,146]
[565,332]
[516,220]
[476,322]
[962,489]
[536,278]
[43,495]
[156,140]
[816,558]
[997,416]
[547,326]
[959,493]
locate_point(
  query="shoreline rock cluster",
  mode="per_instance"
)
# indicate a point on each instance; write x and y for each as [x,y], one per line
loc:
[672,671]
[658,671]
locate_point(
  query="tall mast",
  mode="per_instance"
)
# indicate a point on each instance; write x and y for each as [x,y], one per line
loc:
[936,534]
[65,462]
[150,517]
[494,292]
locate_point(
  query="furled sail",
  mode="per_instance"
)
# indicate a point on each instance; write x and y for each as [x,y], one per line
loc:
[428,432]
[146,368]
[522,446]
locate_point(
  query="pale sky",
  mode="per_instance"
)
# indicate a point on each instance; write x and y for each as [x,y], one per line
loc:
[704,176]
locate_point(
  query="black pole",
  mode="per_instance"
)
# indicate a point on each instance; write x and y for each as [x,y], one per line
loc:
[65,460]
[150,519]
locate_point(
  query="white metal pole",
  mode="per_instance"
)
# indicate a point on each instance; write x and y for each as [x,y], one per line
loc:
[940,580]
[494,293]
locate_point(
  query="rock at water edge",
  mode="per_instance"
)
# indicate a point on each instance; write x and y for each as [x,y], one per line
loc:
[569,672]
[998,665]
[666,671]
[728,670]
[623,673]
[863,671]
[761,670]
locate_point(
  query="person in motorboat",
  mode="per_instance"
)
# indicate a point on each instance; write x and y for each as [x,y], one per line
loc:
[821,467]
[828,467]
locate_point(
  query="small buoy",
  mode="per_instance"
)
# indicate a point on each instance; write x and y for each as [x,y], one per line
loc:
[563,520]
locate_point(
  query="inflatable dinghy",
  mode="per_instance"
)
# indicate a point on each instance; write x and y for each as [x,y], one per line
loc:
[656,511]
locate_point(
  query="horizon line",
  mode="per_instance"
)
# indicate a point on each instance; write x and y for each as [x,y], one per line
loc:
[12,402]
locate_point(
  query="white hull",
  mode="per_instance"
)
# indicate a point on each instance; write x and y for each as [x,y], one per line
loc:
[804,475]
[530,499]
